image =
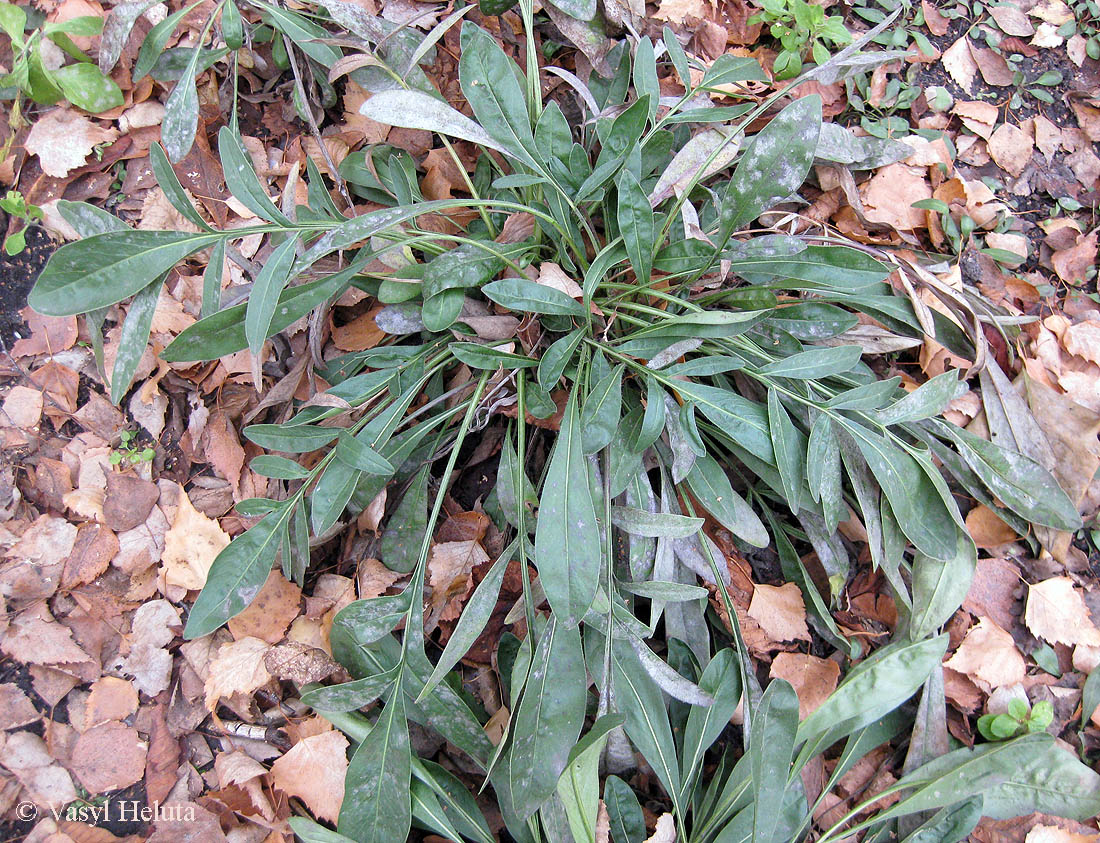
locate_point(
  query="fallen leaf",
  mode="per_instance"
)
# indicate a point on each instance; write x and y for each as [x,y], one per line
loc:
[92,552]
[241,770]
[314,771]
[1054,12]
[1056,612]
[665,831]
[63,139]
[359,334]
[780,612]
[299,663]
[1048,137]
[268,616]
[16,708]
[978,117]
[110,756]
[814,679]
[111,698]
[987,529]
[988,655]
[1047,37]
[47,783]
[373,578]
[1011,148]
[1053,834]
[960,64]
[191,546]
[993,67]
[47,542]
[36,640]
[151,631]
[1071,264]
[238,668]
[47,334]
[937,24]
[1012,21]
[22,408]
[992,591]
[128,501]
[889,195]
[552,275]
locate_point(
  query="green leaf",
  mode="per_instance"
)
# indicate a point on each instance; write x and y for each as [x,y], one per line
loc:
[509,497]
[490,84]
[548,720]
[771,745]
[377,806]
[823,471]
[290,438]
[349,696]
[237,574]
[101,270]
[940,586]
[774,164]
[478,356]
[269,284]
[86,87]
[309,831]
[645,75]
[816,363]
[601,411]
[404,533]
[579,785]
[306,35]
[412,109]
[358,454]
[371,619]
[173,190]
[722,680]
[1018,777]
[951,824]
[710,485]
[280,468]
[156,40]
[242,181]
[640,522]
[133,339]
[635,219]
[475,615]
[567,538]
[13,20]
[624,811]
[582,10]
[522,296]
[653,422]
[928,400]
[331,494]
[790,454]
[742,420]
[181,112]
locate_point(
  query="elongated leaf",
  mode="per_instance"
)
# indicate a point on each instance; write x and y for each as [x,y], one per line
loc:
[669,592]
[101,270]
[358,454]
[264,298]
[790,456]
[601,410]
[722,680]
[711,487]
[774,164]
[624,811]
[567,538]
[478,356]
[368,620]
[133,339]
[816,363]
[281,468]
[489,82]
[242,181]
[557,357]
[579,785]
[377,806]
[667,678]
[331,494]
[940,586]
[522,295]
[170,184]
[548,720]
[404,533]
[823,472]
[770,748]
[742,420]
[292,439]
[237,575]
[475,615]
[951,824]
[348,696]
[635,218]
[924,402]
[181,111]
[306,35]
[411,109]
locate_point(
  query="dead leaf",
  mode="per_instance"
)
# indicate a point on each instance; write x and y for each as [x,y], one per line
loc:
[1011,148]
[1048,137]
[1071,264]
[359,334]
[238,668]
[314,771]
[780,612]
[22,408]
[48,334]
[373,578]
[813,679]
[979,117]
[1053,834]
[937,24]
[889,195]
[1012,21]
[111,698]
[1054,12]
[299,663]
[552,275]
[36,640]
[191,546]
[63,139]
[993,67]
[1056,612]
[92,552]
[16,708]
[241,770]
[665,831]
[128,501]
[151,631]
[47,783]
[110,756]
[988,655]
[960,64]
[268,616]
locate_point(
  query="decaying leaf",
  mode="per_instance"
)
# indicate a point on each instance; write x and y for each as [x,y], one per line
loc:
[1056,612]
[314,770]
[988,655]
[780,612]
[191,546]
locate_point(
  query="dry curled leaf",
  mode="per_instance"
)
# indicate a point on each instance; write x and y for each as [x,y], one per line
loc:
[314,770]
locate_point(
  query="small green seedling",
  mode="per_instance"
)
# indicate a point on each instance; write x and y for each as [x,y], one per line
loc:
[81,83]
[801,29]
[128,451]
[15,205]
[1018,720]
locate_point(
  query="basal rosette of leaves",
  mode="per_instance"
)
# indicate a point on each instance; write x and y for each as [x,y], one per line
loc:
[707,383]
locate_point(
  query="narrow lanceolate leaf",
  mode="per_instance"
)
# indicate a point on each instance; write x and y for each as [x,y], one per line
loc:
[133,339]
[722,680]
[242,180]
[522,295]
[790,457]
[237,575]
[774,165]
[635,218]
[549,719]
[170,184]
[623,811]
[602,407]
[475,615]
[101,270]
[489,83]
[264,298]
[940,586]
[358,454]
[816,363]
[924,402]
[708,482]
[567,539]
[770,748]
[668,679]
[181,112]
[348,696]
[377,807]
[641,522]
[823,474]
[418,110]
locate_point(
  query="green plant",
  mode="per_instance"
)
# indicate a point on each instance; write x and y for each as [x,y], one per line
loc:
[686,389]
[81,82]
[15,205]
[1020,719]
[129,450]
[802,29]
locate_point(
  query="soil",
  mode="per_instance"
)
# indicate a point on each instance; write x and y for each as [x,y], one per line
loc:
[17,276]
